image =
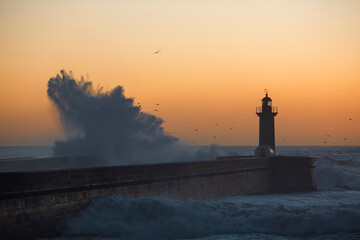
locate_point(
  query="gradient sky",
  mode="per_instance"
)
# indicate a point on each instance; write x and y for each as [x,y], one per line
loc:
[216,59]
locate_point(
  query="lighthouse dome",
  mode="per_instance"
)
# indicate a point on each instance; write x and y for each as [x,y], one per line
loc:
[266,99]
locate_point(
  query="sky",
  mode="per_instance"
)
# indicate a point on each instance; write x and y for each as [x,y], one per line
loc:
[216,59]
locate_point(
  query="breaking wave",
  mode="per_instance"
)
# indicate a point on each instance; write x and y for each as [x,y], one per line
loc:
[301,215]
[105,123]
[110,126]
[334,176]
[331,213]
[338,169]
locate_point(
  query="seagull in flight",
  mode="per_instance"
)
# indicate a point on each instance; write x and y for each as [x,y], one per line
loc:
[156,52]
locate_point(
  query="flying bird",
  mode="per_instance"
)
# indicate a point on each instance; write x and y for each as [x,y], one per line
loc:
[345,139]
[157,104]
[325,141]
[350,119]
[216,124]
[156,52]
[328,135]
[196,129]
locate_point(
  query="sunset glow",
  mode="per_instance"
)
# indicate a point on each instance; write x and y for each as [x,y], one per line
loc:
[216,59]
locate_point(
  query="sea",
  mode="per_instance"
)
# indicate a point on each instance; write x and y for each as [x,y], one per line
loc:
[332,212]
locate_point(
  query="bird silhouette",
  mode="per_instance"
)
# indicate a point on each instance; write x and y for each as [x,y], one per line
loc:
[156,52]
[350,119]
[345,139]
[328,135]
[157,104]
[196,129]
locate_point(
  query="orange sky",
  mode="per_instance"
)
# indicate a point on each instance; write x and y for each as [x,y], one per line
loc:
[216,58]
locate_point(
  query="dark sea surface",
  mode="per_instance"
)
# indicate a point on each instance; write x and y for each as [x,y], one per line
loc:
[24,152]
[333,212]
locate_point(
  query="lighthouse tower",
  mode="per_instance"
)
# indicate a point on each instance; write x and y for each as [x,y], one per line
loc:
[267,114]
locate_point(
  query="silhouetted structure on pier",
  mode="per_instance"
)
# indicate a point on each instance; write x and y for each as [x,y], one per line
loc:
[266,115]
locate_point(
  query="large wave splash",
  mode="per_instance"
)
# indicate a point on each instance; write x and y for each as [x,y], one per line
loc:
[334,174]
[104,124]
[337,167]
[163,218]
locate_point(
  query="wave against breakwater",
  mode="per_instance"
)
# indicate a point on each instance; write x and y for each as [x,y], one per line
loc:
[106,123]
[338,168]
[162,218]
[335,177]
[110,126]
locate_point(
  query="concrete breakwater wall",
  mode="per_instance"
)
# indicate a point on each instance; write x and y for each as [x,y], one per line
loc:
[36,204]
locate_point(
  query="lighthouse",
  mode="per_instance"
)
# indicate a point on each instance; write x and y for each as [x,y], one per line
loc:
[266,114]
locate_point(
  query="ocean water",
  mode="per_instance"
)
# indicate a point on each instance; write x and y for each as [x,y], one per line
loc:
[24,152]
[333,212]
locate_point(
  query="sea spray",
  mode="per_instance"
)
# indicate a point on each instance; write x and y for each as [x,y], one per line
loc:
[337,167]
[108,125]
[333,174]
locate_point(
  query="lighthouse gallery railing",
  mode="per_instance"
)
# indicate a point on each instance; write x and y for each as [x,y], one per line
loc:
[260,110]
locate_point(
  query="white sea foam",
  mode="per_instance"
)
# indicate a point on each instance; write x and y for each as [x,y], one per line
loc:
[300,215]
[331,213]
[338,168]
[333,176]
